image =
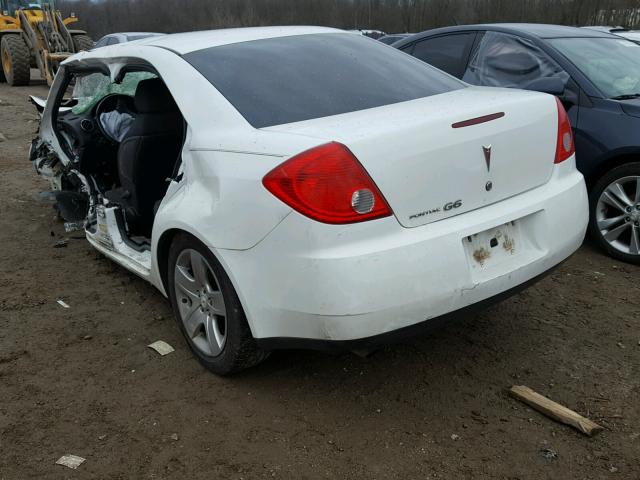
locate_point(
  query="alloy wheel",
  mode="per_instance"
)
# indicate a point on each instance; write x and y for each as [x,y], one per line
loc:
[618,215]
[200,303]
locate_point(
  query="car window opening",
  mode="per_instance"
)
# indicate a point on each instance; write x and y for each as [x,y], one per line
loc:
[127,137]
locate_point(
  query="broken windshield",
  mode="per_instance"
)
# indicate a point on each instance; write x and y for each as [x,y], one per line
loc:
[92,88]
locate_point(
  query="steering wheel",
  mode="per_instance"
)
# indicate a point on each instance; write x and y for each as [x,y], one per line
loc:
[114,102]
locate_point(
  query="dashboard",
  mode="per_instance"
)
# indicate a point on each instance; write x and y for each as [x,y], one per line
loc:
[91,146]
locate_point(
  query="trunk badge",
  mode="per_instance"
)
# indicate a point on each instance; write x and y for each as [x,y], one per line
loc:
[487,156]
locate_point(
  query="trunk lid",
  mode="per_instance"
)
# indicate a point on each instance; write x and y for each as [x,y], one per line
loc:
[427,169]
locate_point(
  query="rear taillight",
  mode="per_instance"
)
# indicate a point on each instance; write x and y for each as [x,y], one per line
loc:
[564,147]
[327,184]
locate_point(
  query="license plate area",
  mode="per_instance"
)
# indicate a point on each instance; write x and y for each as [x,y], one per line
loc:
[497,250]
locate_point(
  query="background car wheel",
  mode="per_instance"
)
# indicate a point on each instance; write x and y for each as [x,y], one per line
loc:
[208,310]
[615,213]
[16,60]
[83,42]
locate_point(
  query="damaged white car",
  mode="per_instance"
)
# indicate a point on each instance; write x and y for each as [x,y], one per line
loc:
[306,187]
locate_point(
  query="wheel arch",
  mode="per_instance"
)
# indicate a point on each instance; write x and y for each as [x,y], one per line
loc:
[162,256]
[615,159]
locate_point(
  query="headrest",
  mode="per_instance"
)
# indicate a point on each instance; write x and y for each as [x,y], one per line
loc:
[152,96]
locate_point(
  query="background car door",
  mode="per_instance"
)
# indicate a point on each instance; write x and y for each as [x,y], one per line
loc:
[449,53]
[505,60]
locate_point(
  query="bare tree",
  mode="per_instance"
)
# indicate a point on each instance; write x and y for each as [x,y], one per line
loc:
[105,16]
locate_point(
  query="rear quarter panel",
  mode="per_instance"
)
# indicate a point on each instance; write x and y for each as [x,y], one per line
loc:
[221,200]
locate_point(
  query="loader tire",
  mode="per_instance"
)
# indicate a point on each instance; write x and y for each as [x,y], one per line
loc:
[16,60]
[83,42]
[3,79]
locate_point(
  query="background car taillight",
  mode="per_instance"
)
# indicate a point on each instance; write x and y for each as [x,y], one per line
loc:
[327,184]
[565,147]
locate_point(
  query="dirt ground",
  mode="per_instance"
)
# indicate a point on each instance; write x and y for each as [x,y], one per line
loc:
[82,381]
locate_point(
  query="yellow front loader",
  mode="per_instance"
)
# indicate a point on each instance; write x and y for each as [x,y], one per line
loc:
[34,35]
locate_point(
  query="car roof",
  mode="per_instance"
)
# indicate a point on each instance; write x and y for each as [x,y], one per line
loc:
[539,30]
[551,31]
[183,43]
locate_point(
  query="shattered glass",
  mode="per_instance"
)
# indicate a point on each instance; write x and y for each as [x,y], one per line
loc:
[92,88]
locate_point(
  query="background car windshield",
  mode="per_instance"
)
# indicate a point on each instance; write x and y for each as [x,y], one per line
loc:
[613,65]
[290,79]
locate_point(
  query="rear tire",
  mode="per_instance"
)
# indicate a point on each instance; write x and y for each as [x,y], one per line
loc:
[16,60]
[83,42]
[231,347]
[614,208]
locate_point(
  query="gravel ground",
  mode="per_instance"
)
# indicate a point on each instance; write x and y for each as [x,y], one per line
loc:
[82,381]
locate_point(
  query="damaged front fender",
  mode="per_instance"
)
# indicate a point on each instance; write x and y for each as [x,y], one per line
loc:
[69,189]
[38,102]
[46,162]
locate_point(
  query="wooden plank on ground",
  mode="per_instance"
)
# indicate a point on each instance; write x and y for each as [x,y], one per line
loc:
[554,410]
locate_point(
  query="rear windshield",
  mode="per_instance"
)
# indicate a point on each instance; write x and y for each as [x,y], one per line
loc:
[291,79]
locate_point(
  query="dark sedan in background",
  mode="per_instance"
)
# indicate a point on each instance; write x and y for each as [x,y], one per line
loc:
[597,77]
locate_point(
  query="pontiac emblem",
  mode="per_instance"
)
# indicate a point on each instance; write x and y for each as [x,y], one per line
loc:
[487,156]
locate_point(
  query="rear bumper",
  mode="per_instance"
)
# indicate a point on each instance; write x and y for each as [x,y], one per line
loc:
[308,282]
[395,336]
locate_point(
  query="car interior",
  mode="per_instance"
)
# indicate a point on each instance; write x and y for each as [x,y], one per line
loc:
[127,139]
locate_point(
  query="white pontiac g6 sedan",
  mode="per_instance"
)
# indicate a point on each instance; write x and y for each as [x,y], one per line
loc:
[307,187]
